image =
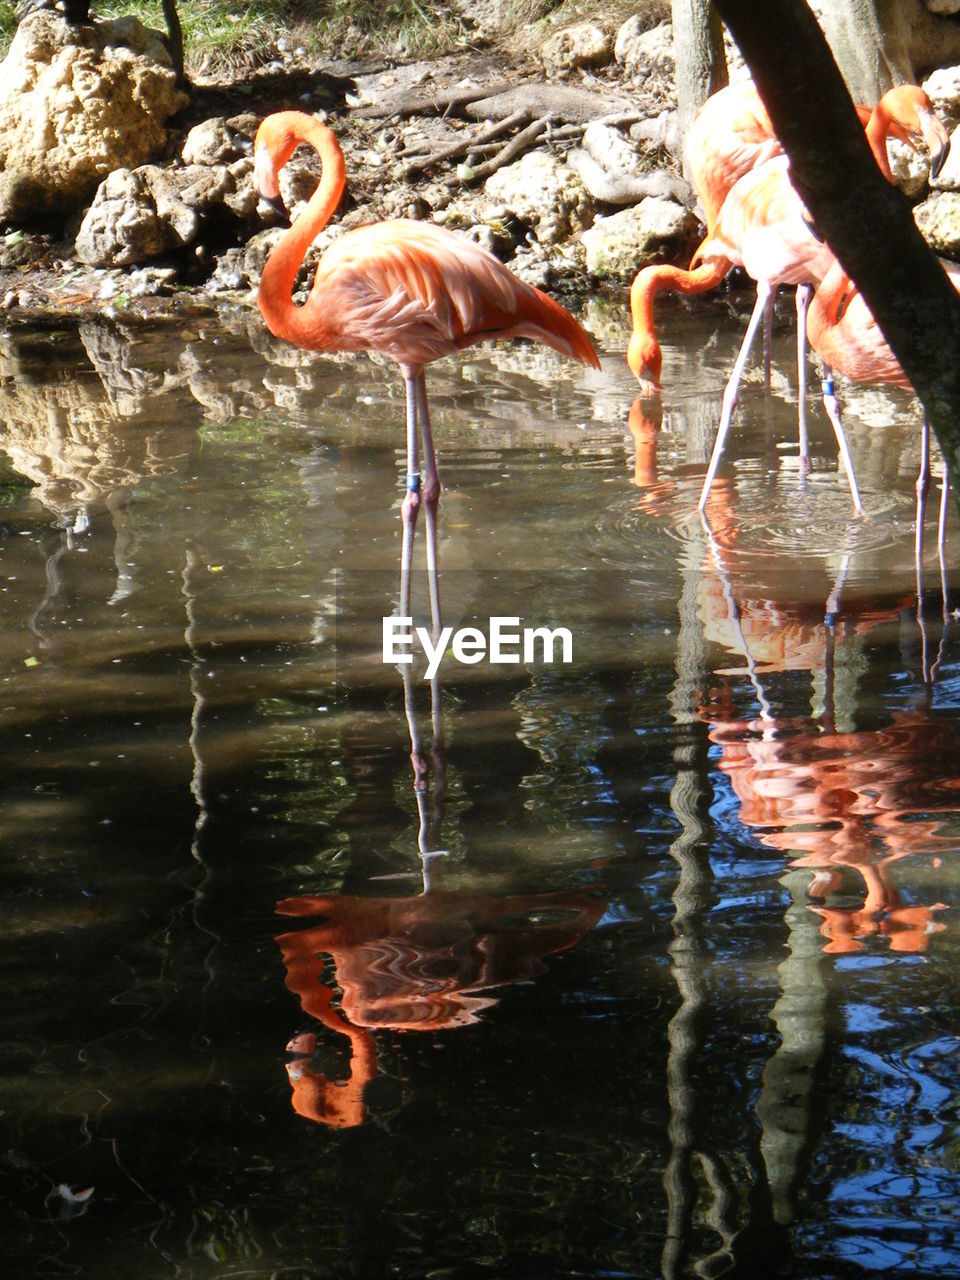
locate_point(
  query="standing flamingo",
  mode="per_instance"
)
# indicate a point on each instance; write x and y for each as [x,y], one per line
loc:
[844,334]
[760,226]
[409,290]
[730,135]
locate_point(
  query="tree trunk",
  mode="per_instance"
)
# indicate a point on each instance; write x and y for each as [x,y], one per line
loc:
[174,38]
[700,58]
[880,43]
[866,221]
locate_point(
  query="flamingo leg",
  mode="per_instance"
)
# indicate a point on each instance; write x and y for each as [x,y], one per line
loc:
[767,339]
[764,293]
[410,508]
[923,484]
[409,511]
[431,503]
[942,538]
[431,500]
[803,301]
[832,408]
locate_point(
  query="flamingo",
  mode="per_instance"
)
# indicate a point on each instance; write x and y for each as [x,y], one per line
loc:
[730,135]
[760,226]
[412,291]
[844,334]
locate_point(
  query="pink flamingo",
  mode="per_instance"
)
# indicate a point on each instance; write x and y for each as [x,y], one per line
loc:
[760,226]
[409,290]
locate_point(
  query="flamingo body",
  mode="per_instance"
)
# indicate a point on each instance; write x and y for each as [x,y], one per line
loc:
[416,292]
[761,228]
[843,332]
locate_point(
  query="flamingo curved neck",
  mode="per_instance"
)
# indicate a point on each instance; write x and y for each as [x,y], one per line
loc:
[275,297]
[878,130]
[654,280]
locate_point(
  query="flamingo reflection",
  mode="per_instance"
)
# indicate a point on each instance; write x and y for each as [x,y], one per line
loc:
[422,963]
[842,803]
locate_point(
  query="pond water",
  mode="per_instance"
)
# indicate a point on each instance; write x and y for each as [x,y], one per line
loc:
[646,965]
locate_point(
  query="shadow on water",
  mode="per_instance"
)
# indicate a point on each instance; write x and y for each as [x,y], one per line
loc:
[675,922]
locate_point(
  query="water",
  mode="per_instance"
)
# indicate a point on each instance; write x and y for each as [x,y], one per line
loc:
[675,994]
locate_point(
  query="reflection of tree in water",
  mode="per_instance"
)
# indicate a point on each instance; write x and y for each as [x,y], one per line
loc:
[847,806]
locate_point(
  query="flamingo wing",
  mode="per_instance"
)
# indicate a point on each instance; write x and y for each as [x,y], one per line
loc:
[416,292]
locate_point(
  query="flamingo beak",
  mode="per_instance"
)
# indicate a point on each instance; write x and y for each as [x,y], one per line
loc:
[265,181]
[937,140]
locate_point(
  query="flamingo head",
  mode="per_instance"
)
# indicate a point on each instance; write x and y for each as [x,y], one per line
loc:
[908,115]
[275,143]
[646,361]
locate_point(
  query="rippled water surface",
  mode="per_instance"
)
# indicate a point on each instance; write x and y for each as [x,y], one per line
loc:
[640,965]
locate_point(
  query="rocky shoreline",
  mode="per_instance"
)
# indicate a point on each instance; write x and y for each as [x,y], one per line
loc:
[565,165]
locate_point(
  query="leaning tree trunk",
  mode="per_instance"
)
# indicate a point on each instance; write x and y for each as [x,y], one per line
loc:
[880,43]
[700,58]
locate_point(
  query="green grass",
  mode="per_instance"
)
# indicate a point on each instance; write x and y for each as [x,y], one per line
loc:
[220,35]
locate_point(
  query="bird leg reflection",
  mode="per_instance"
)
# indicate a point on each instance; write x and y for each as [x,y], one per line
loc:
[929,670]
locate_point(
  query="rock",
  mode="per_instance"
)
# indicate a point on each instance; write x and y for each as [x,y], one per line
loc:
[910,169]
[221,141]
[77,102]
[586,44]
[662,130]
[644,51]
[943,6]
[942,87]
[543,192]
[948,179]
[655,230]
[142,213]
[939,221]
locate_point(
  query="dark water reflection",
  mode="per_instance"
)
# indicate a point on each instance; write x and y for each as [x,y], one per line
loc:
[652,973]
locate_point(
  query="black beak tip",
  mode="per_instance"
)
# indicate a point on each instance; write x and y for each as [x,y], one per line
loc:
[275,203]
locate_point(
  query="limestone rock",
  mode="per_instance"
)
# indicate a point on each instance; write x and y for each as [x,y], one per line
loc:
[142,213]
[942,87]
[948,179]
[910,169]
[939,221]
[586,44]
[543,192]
[613,172]
[655,230]
[642,50]
[221,141]
[77,102]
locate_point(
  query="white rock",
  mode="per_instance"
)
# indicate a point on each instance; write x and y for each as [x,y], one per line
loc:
[586,44]
[542,191]
[655,230]
[77,102]
[639,50]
